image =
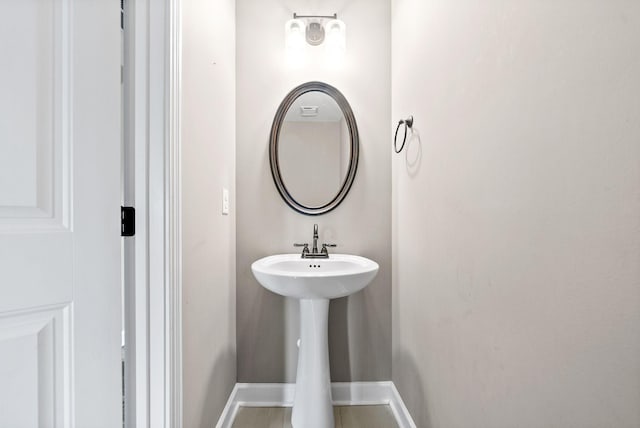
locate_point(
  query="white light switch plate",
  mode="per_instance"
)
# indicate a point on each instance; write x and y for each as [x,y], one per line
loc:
[225,201]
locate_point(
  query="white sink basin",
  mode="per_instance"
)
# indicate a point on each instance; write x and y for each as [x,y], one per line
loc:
[292,276]
[314,282]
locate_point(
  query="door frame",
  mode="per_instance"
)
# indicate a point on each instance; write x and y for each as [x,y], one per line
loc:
[153,263]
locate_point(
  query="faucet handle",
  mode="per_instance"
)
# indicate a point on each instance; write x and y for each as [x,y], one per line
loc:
[324,248]
[305,250]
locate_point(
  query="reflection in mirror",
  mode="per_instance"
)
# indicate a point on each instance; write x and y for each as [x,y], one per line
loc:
[314,149]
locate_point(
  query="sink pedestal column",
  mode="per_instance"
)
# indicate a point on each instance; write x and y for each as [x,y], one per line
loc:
[312,405]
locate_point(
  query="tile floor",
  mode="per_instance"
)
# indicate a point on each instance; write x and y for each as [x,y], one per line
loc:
[345,417]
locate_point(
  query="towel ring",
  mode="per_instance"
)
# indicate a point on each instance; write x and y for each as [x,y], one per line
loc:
[408,123]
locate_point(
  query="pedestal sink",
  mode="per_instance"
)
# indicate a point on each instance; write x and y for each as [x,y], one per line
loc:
[314,282]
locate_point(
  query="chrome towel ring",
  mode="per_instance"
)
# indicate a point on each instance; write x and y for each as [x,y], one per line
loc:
[408,123]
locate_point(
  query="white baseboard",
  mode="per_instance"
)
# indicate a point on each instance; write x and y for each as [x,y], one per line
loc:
[343,394]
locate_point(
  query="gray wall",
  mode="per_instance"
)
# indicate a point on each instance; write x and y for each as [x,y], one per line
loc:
[267,324]
[208,247]
[516,292]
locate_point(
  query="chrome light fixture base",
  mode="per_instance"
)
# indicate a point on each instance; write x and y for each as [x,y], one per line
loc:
[314,33]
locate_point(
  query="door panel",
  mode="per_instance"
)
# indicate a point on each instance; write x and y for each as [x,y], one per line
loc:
[35,367]
[34,164]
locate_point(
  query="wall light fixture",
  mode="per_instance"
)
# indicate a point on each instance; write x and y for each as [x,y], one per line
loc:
[315,30]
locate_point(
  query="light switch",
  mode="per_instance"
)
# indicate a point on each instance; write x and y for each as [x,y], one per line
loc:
[225,201]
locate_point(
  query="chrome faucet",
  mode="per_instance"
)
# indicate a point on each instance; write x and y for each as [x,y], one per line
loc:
[314,250]
[314,253]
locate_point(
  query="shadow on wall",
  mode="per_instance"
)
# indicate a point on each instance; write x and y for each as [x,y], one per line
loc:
[215,399]
[413,153]
[339,362]
[409,383]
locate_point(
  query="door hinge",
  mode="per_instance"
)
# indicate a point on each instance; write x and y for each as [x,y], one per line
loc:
[127,221]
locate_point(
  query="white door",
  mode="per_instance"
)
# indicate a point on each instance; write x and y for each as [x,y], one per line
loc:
[59,214]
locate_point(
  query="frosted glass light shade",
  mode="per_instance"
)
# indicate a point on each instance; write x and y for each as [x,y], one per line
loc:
[335,38]
[335,41]
[294,34]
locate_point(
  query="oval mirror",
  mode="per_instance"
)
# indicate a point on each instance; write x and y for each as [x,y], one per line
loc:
[313,148]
